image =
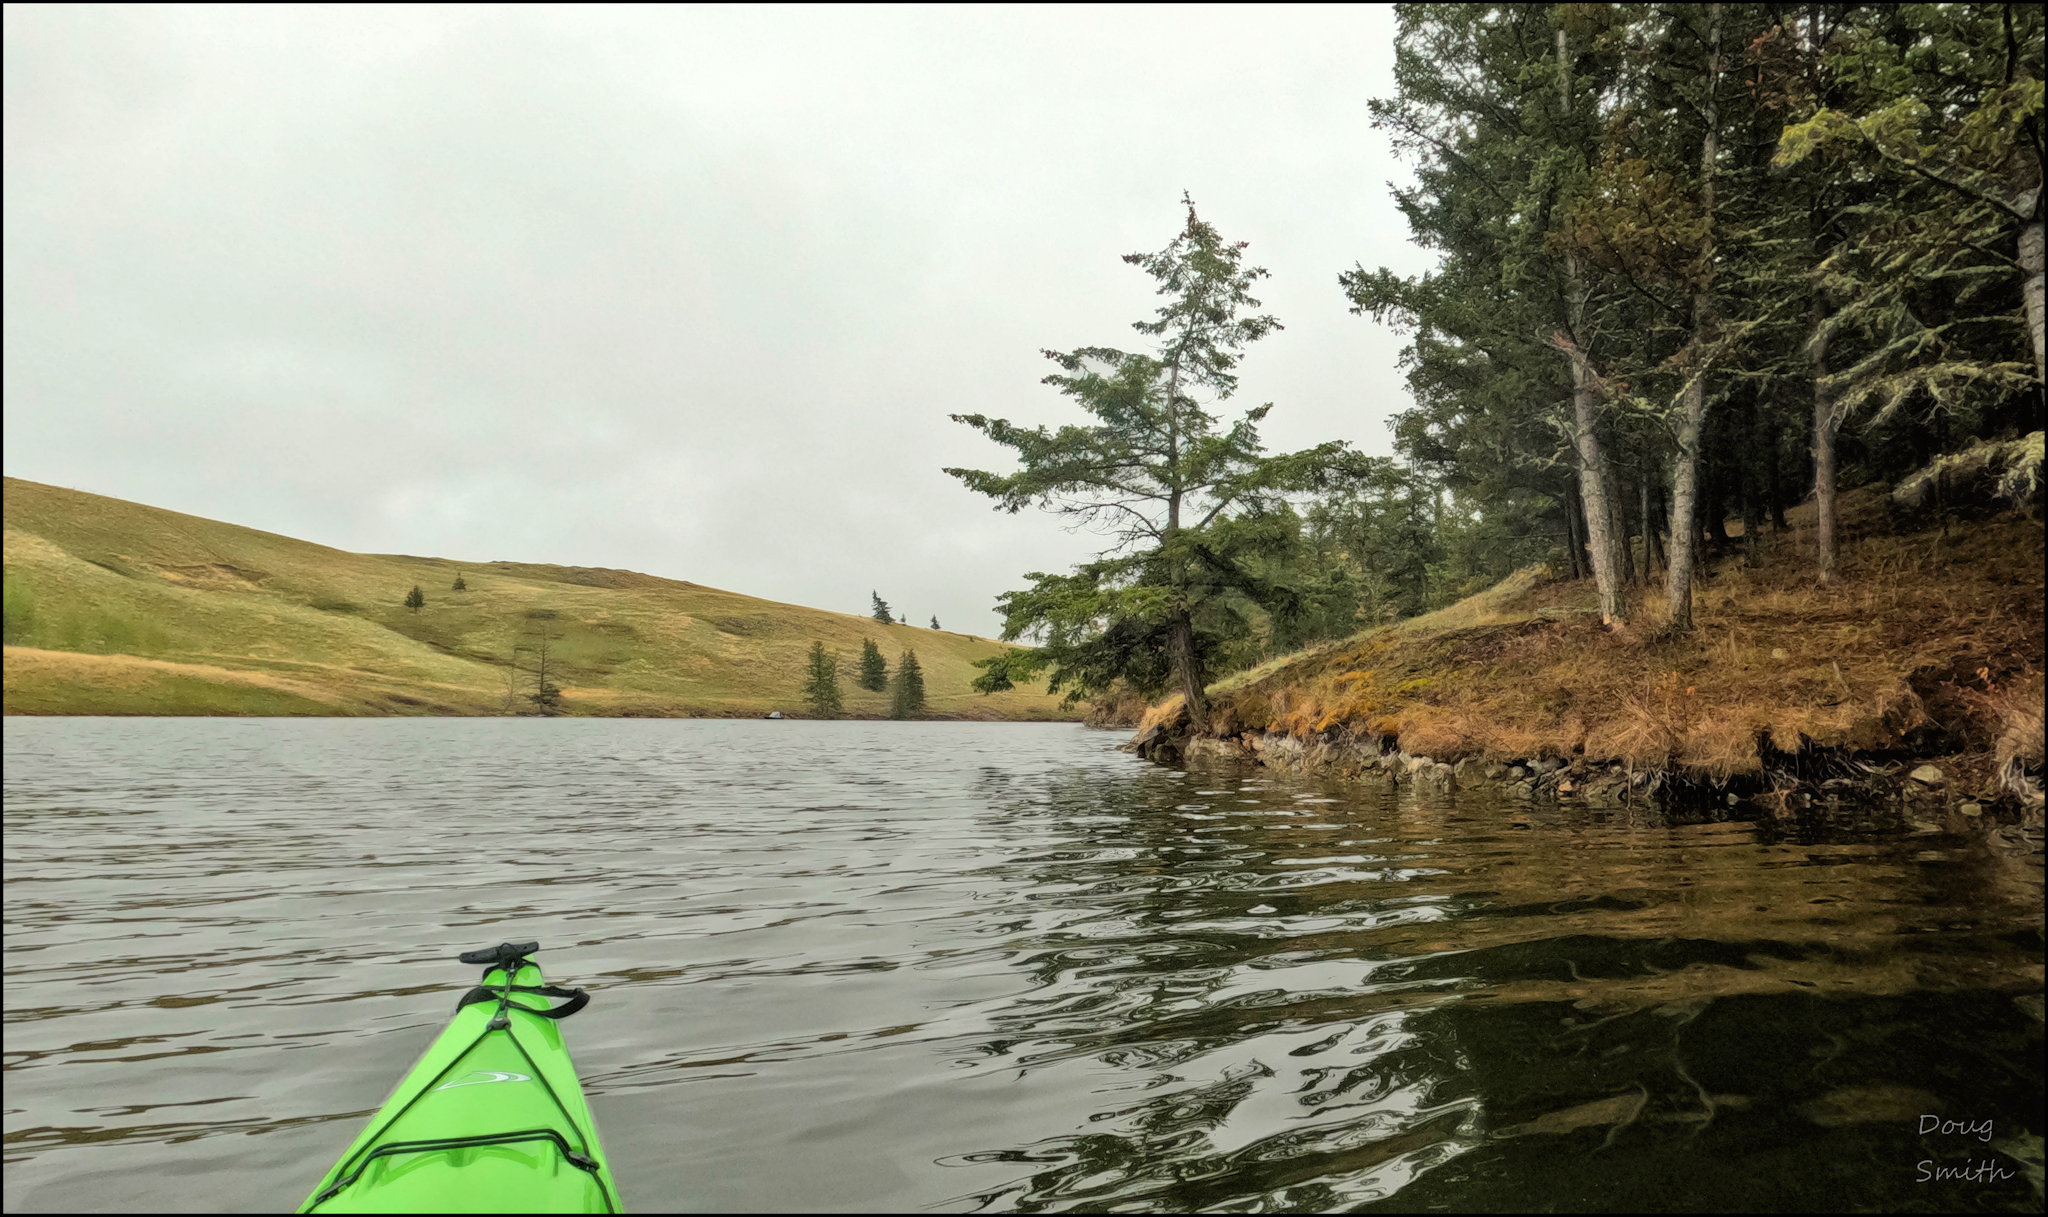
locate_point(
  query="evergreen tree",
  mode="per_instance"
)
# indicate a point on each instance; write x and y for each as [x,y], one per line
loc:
[908,700]
[1963,128]
[1517,317]
[821,683]
[1926,254]
[935,621]
[547,695]
[415,599]
[1673,238]
[881,609]
[459,586]
[1183,496]
[874,670]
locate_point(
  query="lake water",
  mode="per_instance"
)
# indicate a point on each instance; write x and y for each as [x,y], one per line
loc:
[1003,967]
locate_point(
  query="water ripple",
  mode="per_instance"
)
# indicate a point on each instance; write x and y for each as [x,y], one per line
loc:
[844,966]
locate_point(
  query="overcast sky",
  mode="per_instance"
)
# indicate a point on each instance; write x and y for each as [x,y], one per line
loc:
[688,291]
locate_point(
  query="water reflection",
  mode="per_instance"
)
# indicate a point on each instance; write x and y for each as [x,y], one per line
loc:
[1319,1034]
[993,967]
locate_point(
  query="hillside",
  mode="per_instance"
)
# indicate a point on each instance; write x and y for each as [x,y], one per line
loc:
[1929,646]
[113,607]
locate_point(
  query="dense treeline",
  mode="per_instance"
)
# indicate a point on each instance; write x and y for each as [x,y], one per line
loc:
[1698,263]
[1684,244]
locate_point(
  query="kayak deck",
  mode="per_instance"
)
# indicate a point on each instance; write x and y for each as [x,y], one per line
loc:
[491,1119]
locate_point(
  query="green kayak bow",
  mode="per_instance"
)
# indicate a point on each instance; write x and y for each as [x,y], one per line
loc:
[491,1119]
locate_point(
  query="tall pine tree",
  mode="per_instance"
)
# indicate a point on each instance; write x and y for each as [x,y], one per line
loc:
[821,683]
[874,670]
[1155,469]
[908,699]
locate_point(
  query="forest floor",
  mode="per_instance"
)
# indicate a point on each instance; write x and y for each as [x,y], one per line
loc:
[114,607]
[1928,646]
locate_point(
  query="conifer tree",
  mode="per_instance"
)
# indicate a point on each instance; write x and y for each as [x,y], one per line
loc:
[547,695]
[821,683]
[415,599]
[1182,493]
[908,701]
[1733,218]
[881,609]
[874,670]
[935,621]
[459,586]
[1501,167]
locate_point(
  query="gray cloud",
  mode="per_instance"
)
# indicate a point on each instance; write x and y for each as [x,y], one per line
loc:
[689,291]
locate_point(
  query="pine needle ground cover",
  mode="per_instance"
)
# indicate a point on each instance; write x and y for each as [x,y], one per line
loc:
[1931,643]
[113,607]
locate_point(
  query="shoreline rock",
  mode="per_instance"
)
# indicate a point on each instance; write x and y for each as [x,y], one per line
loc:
[1784,783]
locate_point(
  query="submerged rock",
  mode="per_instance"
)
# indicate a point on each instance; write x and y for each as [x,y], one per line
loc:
[1927,775]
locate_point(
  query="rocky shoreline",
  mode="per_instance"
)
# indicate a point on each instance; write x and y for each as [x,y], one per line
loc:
[1785,783]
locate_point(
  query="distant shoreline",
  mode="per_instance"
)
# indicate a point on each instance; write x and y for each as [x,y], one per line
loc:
[118,608]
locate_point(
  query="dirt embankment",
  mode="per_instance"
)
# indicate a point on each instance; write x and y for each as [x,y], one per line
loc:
[1924,658]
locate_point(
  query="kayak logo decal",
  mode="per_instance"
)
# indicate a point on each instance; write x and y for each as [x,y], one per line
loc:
[484,1077]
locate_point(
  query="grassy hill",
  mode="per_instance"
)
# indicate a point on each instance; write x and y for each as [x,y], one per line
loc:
[117,608]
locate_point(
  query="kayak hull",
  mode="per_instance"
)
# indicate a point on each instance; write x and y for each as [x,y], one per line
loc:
[491,1120]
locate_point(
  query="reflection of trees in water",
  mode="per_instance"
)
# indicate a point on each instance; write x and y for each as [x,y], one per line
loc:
[1192,1146]
[1440,997]
[1785,1101]
[1147,958]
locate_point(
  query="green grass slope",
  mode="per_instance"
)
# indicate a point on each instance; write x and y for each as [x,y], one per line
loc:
[113,607]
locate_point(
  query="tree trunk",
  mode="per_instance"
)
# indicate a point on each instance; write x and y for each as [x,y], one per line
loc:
[1685,464]
[1752,520]
[1594,478]
[1653,553]
[1643,521]
[1189,666]
[1186,664]
[1826,421]
[1685,530]
[1653,517]
[1716,503]
[1575,542]
[1752,493]
[1609,560]
[2030,291]
[1774,477]
[1630,574]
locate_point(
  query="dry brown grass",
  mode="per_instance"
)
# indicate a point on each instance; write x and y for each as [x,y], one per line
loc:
[1165,712]
[49,682]
[1120,707]
[1927,638]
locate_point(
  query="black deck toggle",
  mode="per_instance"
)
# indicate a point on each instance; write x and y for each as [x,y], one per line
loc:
[504,955]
